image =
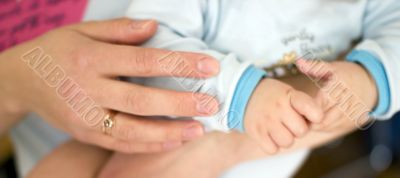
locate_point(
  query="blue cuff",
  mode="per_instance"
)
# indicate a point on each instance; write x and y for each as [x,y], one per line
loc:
[244,89]
[377,70]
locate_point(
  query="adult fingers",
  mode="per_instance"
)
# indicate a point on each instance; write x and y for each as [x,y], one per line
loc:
[123,30]
[306,106]
[149,62]
[146,101]
[136,129]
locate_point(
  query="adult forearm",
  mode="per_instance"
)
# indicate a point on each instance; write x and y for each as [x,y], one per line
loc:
[72,159]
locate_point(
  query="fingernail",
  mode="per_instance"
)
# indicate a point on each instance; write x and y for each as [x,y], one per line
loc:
[193,132]
[208,66]
[141,24]
[172,145]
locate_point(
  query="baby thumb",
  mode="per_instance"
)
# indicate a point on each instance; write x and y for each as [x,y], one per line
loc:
[306,106]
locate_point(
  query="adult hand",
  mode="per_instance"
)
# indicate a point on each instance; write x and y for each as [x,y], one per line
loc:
[69,76]
[220,151]
[346,92]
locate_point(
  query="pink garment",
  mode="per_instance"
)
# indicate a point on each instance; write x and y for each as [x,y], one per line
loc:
[22,20]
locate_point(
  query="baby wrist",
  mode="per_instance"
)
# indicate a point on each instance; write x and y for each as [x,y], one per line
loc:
[243,91]
[377,71]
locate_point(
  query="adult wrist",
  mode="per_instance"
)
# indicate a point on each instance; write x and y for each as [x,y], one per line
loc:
[10,93]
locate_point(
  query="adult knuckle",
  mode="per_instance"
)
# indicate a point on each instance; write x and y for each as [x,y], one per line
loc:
[136,102]
[99,93]
[81,57]
[170,62]
[130,99]
[180,65]
[143,61]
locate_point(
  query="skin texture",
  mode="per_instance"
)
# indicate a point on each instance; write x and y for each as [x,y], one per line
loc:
[244,148]
[93,55]
[215,151]
[341,93]
[66,164]
[277,114]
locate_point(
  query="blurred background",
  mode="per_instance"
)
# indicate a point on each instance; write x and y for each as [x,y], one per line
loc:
[373,153]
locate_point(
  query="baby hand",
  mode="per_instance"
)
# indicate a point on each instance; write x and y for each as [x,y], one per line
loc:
[346,93]
[277,114]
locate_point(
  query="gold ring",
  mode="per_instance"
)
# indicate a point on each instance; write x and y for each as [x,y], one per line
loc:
[108,123]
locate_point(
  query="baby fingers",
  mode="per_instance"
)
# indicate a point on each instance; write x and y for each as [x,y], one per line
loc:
[296,124]
[306,106]
[281,135]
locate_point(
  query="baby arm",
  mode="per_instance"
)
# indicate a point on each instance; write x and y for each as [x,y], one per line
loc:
[269,123]
[379,53]
[277,114]
[215,150]
[185,29]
